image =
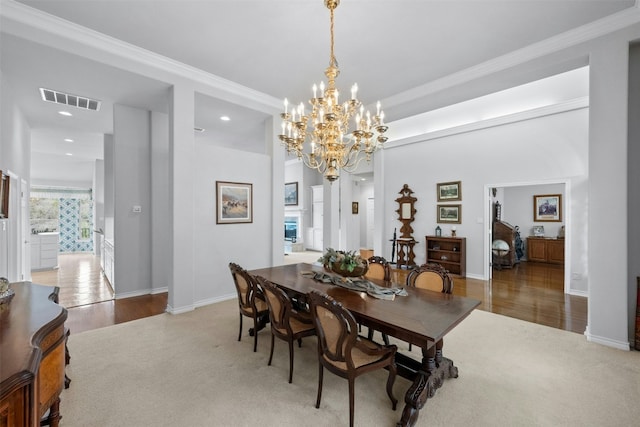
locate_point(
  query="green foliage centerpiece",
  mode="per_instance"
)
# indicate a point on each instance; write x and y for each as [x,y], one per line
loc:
[344,263]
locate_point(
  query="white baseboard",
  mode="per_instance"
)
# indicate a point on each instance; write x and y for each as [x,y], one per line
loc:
[620,345]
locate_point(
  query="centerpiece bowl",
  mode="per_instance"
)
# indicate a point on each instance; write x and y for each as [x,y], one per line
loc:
[357,271]
[344,263]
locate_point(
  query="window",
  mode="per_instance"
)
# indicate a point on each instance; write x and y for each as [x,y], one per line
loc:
[85,219]
[44,214]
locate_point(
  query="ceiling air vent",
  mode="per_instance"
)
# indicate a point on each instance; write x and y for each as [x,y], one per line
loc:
[68,99]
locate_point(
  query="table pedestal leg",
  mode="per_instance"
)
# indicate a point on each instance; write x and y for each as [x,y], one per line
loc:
[435,368]
[262,323]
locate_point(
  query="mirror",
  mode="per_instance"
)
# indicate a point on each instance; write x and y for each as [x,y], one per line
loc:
[406,211]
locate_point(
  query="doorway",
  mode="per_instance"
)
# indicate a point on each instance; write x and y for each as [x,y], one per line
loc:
[517,210]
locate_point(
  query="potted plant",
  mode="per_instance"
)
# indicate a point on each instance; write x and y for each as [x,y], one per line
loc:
[345,263]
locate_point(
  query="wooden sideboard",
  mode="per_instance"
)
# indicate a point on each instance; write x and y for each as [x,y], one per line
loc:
[32,360]
[542,249]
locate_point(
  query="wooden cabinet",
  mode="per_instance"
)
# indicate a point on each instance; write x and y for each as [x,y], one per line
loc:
[449,252]
[32,360]
[541,249]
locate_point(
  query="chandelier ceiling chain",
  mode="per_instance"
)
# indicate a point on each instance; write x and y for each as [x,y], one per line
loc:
[331,145]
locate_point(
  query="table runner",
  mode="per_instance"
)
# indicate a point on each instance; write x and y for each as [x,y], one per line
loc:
[356,284]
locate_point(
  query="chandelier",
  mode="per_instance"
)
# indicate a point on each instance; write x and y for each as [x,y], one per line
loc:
[332,146]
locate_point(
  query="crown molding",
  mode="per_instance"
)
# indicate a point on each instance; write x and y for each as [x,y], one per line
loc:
[20,20]
[562,107]
[554,44]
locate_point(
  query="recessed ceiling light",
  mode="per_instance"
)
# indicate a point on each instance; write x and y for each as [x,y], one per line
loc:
[65,113]
[68,154]
[225,118]
[68,140]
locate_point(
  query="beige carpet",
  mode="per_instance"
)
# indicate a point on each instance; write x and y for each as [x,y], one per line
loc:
[190,370]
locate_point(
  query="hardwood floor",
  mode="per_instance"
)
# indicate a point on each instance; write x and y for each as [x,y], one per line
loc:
[530,291]
[88,297]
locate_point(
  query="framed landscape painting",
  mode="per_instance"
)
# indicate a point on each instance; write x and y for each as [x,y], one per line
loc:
[449,191]
[547,208]
[291,194]
[234,202]
[450,214]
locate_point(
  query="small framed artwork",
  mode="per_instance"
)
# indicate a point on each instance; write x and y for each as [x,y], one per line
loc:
[449,191]
[354,208]
[450,214]
[291,194]
[547,208]
[538,231]
[234,202]
[4,195]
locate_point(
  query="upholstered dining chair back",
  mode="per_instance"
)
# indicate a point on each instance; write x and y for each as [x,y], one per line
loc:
[342,351]
[287,323]
[336,328]
[250,299]
[431,276]
[378,269]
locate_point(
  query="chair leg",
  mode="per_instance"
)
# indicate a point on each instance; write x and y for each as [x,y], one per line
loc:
[299,342]
[393,370]
[351,400]
[291,361]
[255,333]
[385,338]
[240,333]
[271,352]
[320,371]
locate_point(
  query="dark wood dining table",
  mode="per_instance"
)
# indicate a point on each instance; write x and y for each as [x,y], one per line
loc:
[421,318]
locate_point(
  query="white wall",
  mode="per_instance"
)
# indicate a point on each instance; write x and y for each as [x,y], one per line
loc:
[549,147]
[132,183]
[215,245]
[517,208]
[634,178]
[98,204]
[160,254]
[15,146]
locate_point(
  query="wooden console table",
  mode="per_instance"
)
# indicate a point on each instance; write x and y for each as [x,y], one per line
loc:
[32,360]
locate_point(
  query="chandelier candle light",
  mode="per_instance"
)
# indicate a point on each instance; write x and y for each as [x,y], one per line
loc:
[332,145]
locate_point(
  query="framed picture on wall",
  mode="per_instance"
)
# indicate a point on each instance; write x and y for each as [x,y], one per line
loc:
[547,208]
[234,202]
[449,214]
[354,208]
[291,194]
[4,195]
[449,191]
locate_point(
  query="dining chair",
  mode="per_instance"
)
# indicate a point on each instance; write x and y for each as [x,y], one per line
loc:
[250,299]
[342,351]
[431,276]
[379,269]
[286,323]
